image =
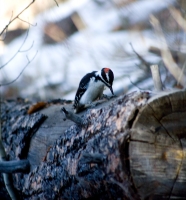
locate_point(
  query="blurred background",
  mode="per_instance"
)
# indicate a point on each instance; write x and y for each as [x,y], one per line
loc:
[47,49]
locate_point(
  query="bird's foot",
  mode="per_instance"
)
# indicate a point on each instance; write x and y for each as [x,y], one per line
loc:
[93,105]
[104,96]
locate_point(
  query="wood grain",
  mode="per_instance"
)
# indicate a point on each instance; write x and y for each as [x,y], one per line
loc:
[158,147]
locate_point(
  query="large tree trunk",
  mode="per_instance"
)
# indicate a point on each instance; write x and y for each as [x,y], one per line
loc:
[132,147]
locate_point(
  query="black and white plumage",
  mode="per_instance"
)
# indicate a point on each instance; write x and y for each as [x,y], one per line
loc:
[91,87]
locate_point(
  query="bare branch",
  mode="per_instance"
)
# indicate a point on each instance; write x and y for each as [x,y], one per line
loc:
[134,84]
[178,17]
[166,55]
[56,3]
[27,22]
[11,17]
[7,177]
[183,69]
[29,61]
[9,186]
[17,16]
[73,117]
[156,77]
[14,166]
[7,28]
[19,50]
[5,32]
[140,57]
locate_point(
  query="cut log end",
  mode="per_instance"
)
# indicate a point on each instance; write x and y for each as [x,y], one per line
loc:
[158,145]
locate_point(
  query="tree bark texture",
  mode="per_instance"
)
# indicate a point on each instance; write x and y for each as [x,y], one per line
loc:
[132,147]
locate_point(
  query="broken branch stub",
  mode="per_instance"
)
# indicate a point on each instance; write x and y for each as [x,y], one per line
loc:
[14,166]
[71,116]
[156,77]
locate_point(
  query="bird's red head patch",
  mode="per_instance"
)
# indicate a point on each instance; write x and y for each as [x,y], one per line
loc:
[106,70]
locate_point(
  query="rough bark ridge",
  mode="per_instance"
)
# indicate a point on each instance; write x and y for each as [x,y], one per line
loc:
[132,147]
[85,161]
[18,129]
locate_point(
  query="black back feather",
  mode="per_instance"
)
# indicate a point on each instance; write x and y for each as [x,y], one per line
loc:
[83,86]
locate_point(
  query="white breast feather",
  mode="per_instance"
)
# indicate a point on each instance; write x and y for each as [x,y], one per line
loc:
[95,90]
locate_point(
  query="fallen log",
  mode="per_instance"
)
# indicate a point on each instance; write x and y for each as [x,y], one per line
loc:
[132,147]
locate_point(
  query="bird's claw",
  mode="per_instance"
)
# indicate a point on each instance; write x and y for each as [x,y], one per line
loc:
[113,96]
[108,97]
[93,105]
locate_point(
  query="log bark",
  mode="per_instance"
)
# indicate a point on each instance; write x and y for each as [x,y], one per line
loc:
[132,147]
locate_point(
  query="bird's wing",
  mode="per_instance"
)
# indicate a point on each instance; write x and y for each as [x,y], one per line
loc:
[83,87]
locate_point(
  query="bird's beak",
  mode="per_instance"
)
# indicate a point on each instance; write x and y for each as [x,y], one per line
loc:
[111,90]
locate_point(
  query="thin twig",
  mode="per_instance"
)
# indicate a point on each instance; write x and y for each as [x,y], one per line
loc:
[19,50]
[11,17]
[140,57]
[5,28]
[56,3]
[28,62]
[134,84]
[166,55]
[27,22]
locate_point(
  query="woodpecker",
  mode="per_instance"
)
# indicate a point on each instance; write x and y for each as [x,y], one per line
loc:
[91,87]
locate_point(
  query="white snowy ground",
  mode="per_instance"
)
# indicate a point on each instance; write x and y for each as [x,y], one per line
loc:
[90,49]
